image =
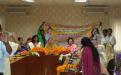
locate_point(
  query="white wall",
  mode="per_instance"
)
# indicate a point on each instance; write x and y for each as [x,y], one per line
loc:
[2,21]
[27,25]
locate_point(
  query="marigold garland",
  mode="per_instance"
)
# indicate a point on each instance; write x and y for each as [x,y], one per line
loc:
[23,53]
[46,51]
[19,56]
[37,49]
[65,67]
[54,51]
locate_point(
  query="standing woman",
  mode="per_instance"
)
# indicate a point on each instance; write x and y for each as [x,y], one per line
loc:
[41,37]
[41,34]
[90,60]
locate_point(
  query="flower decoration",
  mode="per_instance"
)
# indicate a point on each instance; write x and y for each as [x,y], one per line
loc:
[55,51]
[37,49]
[23,53]
[65,68]
[59,50]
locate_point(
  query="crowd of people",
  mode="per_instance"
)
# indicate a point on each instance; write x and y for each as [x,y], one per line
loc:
[96,51]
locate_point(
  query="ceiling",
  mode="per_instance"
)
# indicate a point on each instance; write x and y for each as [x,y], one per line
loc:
[61,2]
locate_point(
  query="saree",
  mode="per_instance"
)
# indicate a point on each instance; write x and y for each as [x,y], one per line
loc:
[72,47]
[109,52]
[89,67]
[41,38]
[103,59]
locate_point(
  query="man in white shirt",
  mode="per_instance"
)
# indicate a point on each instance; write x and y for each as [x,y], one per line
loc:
[110,38]
[111,41]
[104,37]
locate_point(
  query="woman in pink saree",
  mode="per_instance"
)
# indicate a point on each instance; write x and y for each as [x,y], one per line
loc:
[89,60]
[71,45]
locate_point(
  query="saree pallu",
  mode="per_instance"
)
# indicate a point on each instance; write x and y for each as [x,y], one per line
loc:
[102,54]
[103,59]
[89,66]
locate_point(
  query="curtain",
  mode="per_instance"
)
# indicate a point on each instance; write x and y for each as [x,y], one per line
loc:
[116,25]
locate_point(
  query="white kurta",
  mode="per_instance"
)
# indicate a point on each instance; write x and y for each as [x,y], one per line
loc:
[111,40]
[6,60]
[103,40]
[31,45]
[2,55]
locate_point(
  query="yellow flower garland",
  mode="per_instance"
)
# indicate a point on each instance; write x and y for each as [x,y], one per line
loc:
[65,67]
[46,51]
[54,51]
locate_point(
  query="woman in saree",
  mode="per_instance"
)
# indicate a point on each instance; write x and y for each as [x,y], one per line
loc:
[35,42]
[51,43]
[41,34]
[103,59]
[24,47]
[71,45]
[89,61]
